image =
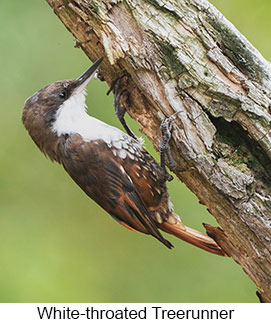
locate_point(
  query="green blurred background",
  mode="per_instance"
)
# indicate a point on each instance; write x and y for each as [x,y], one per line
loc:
[56,245]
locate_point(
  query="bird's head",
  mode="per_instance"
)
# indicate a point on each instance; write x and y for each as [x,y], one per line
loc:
[41,109]
[58,106]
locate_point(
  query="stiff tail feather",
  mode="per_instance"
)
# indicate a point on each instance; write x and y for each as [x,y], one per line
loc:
[193,237]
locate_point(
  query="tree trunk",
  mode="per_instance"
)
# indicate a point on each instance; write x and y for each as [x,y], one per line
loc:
[185,56]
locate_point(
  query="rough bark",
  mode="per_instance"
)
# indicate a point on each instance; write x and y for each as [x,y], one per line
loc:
[185,56]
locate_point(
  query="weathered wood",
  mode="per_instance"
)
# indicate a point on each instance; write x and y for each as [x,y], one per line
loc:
[185,56]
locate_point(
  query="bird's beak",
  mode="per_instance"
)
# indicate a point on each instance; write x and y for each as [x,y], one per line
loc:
[87,76]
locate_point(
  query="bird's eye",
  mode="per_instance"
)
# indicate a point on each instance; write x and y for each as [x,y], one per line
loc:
[62,94]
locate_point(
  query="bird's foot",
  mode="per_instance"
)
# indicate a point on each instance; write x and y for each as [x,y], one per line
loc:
[119,109]
[164,148]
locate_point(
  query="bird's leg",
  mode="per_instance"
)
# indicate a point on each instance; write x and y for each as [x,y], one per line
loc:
[165,128]
[119,108]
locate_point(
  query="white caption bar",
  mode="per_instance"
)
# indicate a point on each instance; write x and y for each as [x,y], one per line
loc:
[117,312]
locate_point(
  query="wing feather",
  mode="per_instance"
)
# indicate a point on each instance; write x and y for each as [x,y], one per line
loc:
[101,175]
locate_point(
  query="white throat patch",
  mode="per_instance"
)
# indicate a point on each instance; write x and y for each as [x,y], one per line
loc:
[72,118]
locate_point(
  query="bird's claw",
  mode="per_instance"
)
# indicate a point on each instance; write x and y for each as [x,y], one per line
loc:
[119,109]
[164,148]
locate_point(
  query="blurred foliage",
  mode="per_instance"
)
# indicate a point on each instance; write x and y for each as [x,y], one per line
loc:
[56,245]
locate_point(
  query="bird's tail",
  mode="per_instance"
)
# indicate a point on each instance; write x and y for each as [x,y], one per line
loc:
[192,236]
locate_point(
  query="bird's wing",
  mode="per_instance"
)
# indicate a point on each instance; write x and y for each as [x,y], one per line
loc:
[102,176]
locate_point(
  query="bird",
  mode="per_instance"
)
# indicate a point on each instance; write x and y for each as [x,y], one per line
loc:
[111,167]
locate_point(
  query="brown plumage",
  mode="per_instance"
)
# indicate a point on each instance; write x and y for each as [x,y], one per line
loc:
[115,171]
